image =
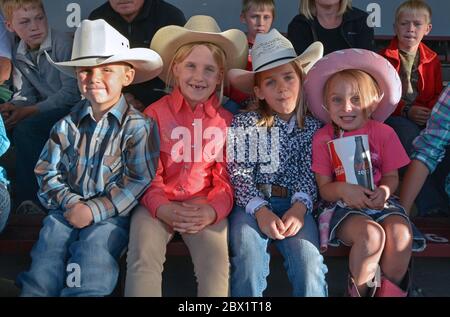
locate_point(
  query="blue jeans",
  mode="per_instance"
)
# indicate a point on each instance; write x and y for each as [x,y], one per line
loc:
[95,250]
[5,205]
[250,257]
[431,196]
[29,138]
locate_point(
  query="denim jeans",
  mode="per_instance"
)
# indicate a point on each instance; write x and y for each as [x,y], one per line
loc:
[432,195]
[29,138]
[250,257]
[95,250]
[5,205]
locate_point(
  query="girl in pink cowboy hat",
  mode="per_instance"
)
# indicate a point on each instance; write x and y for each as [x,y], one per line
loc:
[353,91]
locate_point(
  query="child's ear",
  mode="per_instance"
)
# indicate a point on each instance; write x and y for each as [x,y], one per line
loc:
[9,27]
[258,93]
[429,27]
[242,18]
[129,76]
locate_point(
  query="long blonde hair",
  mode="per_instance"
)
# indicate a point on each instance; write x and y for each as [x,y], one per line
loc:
[308,8]
[264,110]
[183,52]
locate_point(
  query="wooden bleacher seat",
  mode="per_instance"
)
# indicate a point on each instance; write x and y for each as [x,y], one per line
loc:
[23,231]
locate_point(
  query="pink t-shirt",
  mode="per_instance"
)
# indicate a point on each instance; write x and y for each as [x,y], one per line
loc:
[386,151]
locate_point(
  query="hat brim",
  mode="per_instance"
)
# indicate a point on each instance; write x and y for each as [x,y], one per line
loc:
[146,63]
[376,65]
[244,80]
[169,39]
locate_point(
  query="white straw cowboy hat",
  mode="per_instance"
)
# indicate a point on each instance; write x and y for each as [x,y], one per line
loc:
[200,28]
[271,50]
[98,43]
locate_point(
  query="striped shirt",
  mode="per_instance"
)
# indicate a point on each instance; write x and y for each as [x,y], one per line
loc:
[107,164]
[431,144]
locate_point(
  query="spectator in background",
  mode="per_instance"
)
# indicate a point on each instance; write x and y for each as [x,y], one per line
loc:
[258,16]
[420,71]
[5,61]
[430,148]
[42,94]
[138,21]
[335,23]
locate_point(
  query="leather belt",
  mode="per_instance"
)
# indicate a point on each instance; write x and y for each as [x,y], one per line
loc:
[270,190]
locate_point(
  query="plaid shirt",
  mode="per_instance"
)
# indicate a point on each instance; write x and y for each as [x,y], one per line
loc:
[431,144]
[107,164]
[4,145]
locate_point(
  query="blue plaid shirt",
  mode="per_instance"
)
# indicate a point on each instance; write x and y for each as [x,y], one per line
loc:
[4,145]
[431,144]
[107,164]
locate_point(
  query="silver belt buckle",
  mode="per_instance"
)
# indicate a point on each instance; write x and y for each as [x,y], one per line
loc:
[266,189]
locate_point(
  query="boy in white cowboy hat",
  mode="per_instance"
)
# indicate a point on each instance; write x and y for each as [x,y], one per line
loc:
[191,193]
[353,91]
[274,191]
[97,163]
[43,95]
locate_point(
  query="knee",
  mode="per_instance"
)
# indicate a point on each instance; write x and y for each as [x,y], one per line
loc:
[372,236]
[399,235]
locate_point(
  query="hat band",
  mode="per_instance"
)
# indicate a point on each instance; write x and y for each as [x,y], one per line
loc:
[274,61]
[88,57]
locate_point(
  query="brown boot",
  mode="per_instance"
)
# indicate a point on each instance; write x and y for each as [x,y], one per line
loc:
[352,289]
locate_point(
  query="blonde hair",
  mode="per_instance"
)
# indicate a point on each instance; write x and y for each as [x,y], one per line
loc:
[364,85]
[9,6]
[414,6]
[264,110]
[308,8]
[183,52]
[259,4]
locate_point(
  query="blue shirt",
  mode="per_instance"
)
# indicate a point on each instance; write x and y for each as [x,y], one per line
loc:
[4,145]
[431,144]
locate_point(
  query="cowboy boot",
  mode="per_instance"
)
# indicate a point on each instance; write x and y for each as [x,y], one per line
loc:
[390,289]
[352,289]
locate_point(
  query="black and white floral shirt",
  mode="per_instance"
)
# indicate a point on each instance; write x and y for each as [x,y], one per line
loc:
[281,156]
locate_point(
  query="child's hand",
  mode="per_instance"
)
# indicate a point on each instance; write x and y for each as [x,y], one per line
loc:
[13,115]
[194,217]
[270,224]
[419,115]
[356,196]
[79,215]
[293,219]
[379,198]
[168,213]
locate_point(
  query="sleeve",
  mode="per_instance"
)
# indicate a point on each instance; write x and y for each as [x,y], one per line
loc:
[366,35]
[140,158]
[242,166]
[155,196]
[393,153]
[221,197]
[321,161]
[68,95]
[24,92]
[431,145]
[437,83]
[298,35]
[51,171]
[4,141]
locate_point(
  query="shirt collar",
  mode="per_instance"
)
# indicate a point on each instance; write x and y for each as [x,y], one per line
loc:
[210,106]
[287,125]
[46,45]
[118,111]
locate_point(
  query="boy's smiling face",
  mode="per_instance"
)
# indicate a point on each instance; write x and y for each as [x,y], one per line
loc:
[30,24]
[102,85]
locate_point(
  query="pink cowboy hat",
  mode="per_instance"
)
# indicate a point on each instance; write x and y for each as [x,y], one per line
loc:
[372,63]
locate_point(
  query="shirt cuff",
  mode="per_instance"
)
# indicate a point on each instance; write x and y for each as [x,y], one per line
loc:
[101,208]
[70,198]
[254,204]
[303,198]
